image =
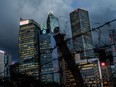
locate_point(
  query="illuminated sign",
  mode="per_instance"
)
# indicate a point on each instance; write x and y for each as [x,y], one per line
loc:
[103,64]
[24,22]
[44,31]
[2,51]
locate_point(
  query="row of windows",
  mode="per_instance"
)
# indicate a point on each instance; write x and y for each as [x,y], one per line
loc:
[26,45]
[23,55]
[46,69]
[27,51]
[26,40]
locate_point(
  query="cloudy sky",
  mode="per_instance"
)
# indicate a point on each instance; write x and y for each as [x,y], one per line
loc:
[100,11]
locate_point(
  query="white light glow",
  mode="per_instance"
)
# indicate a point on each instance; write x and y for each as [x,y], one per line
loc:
[24,22]
[2,51]
[50,12]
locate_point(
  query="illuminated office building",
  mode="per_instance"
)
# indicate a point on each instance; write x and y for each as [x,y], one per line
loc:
[79,24]
[49,56]
[91,72]
[29,47]
[5,62]
[67,77]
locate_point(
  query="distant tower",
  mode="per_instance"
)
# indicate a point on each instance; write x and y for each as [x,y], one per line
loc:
[5,62]
[29,47]
[112,37]
[80,23]
[52,21]
[49,71]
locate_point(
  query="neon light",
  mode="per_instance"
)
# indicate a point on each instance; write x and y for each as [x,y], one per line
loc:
[24,22]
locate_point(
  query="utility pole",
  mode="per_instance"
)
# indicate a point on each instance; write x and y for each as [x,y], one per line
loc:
[61,44]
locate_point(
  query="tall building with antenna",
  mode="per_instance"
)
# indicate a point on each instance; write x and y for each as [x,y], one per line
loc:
[49,56]
[28,43]
[52,21]
[80,23]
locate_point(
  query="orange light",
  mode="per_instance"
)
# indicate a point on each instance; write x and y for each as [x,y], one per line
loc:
[105,82]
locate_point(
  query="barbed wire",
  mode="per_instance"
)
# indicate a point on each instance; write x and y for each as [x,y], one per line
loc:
[79,34]
[93,29]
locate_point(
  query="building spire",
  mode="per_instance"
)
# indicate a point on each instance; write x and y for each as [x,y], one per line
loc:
[51,5]
[50,12]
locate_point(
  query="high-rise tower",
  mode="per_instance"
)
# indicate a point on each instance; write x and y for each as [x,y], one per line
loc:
[5,62]
[52,22]
[29,47]
[80,23]
[49,56]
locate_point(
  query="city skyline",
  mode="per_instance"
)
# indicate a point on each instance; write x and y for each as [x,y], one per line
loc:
[100,12]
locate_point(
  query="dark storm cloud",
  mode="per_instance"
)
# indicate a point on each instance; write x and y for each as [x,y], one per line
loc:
[12,10]
[103,13]
[100,12]
[8,27]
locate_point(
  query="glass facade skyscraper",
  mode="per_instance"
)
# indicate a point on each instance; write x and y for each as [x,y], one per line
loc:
[52,22]
[80,23]
[29,47]
[49,56]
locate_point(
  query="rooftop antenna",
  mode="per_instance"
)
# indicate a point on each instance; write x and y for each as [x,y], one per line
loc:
[50,12]
[51,5]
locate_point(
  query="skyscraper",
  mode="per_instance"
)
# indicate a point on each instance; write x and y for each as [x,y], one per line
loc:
[91,72]
[53,26]
[5,61]
[112,37]
[52,22]
[29,47]
[49,56]
[1,63]
[80,23]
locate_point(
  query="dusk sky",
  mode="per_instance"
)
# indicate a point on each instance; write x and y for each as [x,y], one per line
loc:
[100,11]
